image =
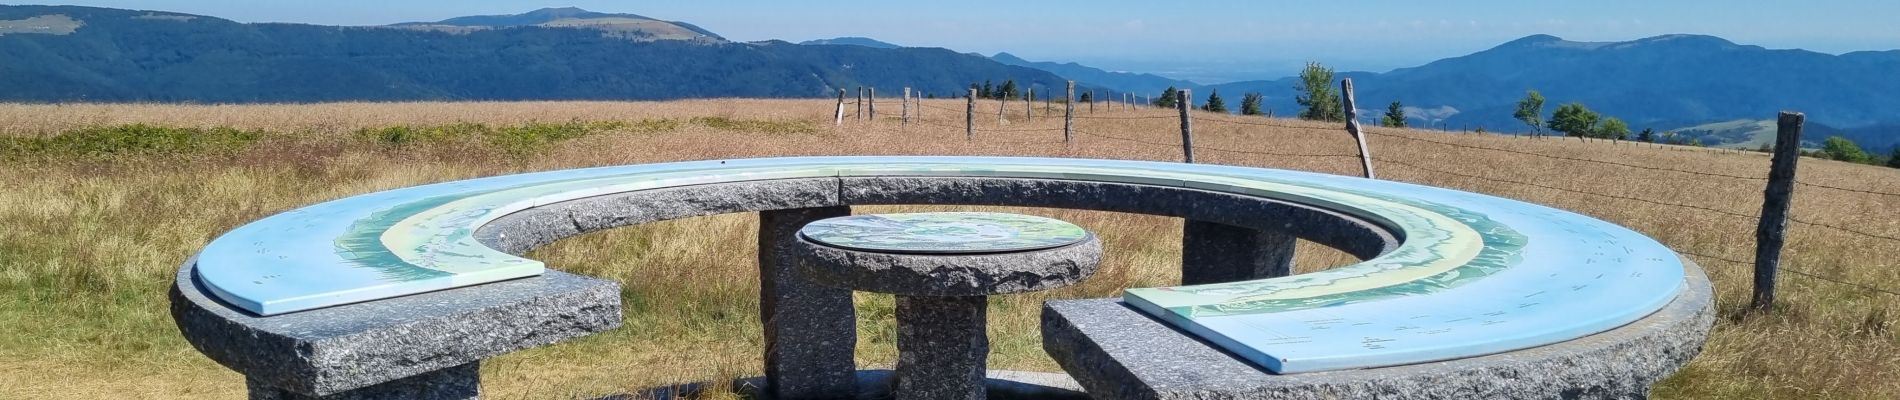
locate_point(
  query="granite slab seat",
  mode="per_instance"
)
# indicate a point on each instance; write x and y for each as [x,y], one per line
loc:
[297,301]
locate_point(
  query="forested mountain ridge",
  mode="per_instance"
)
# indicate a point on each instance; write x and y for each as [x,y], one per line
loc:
[1662,82]
[126,55]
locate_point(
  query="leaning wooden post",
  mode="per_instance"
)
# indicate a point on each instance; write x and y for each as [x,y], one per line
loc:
[840,108]
[1068,115]
[969,117]
[906,106]
[1181,99]
[1002,106]
[1352,126]
[1771,232]
[871,94]
[860,103]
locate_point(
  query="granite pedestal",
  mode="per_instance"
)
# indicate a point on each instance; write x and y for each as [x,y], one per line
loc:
[942,307]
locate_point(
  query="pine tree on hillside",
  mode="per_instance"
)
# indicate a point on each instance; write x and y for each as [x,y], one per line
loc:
[1250,104]
[1394,115]
[1894,160]
[1648,135]
[988,91]
[1087,97]
[1215,103]
[1008,91]
[1167,98]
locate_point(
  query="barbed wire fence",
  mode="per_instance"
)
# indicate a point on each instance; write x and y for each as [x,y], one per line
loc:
[1129,102]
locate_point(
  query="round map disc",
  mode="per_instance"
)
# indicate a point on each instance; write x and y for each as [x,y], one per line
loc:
[944,232]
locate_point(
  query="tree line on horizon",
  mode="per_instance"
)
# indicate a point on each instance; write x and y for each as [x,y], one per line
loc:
[1320,100]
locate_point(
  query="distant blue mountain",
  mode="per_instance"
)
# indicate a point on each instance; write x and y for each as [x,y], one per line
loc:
[1662,82]
[101,54]
[112,55]
[851,41]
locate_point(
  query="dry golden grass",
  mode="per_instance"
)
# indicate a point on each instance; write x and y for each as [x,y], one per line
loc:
[88,245]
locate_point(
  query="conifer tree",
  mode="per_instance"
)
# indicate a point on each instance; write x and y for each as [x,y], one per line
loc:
[1214,102]
[1167,98]
[1250,104]
[1394,115]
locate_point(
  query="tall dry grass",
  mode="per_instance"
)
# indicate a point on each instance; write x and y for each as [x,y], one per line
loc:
[88,243]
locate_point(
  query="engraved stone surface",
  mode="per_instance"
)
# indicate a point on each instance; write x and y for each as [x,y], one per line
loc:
[949,274]
[944,232]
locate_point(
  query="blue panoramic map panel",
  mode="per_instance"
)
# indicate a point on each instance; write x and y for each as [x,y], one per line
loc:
[1473,275]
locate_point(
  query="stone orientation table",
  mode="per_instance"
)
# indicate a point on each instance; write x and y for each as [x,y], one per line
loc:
[942,266]
[402,293]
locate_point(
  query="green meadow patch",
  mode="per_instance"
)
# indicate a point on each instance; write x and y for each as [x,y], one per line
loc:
[135,139]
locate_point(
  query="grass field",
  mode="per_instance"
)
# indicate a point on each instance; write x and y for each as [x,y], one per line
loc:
[100,203]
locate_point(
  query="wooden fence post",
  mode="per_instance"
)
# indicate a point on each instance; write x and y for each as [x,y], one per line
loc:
[871,93]
[840,108]
[1029,106]
[1002,106]
[1772,229]
[1068,115]
[969,117]
[1181,99]
[907,106]
[1352,126]
[860,103]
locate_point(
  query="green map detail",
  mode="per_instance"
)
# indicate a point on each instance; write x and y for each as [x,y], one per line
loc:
[945,232]
[362,244]
[1503,248]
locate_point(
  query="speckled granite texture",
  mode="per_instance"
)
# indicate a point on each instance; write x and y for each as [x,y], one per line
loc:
[1116,352]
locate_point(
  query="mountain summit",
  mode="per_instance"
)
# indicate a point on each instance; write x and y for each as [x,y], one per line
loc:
[628,26]
[851,41]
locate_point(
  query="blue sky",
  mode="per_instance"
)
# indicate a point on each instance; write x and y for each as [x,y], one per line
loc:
[1203,40]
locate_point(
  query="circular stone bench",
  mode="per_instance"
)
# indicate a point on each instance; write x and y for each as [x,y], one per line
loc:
[403,292]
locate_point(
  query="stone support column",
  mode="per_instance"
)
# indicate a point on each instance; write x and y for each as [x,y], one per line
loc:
[810,329]
[1216,253]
